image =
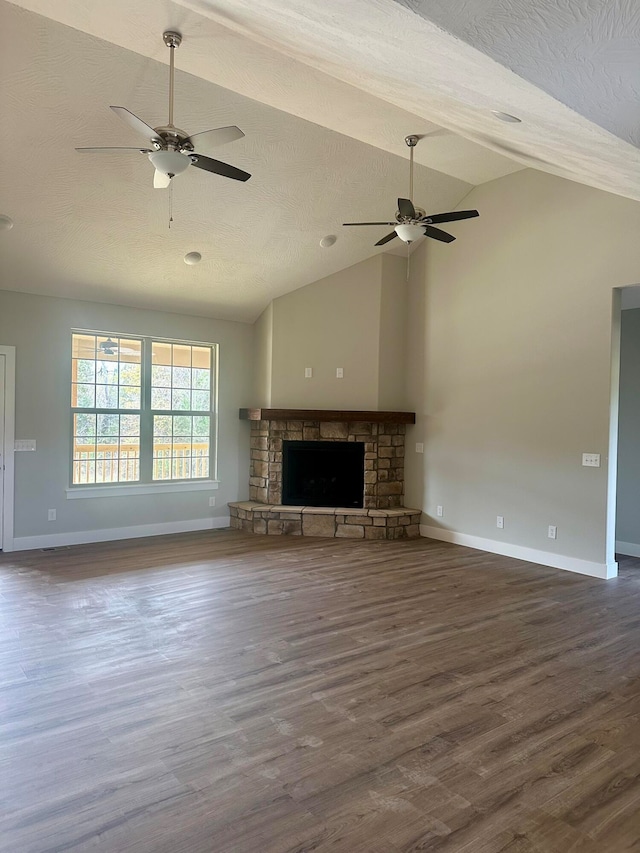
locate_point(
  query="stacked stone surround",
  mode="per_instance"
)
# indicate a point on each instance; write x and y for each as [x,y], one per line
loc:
[343,522]
[383,457]
[381,517]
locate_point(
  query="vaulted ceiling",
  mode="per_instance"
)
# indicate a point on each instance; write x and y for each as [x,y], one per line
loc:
[325,94]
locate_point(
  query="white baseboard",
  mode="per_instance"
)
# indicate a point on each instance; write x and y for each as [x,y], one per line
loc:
[519,552]
[629,549]
[84,537]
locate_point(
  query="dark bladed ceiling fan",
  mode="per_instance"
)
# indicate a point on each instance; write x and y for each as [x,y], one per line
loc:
[171,150]
[412,222]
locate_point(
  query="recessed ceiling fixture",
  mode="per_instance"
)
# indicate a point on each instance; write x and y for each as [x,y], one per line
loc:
[171,149]
[328,241]
[412,222]
[6,222]
[192,258]
[506,117]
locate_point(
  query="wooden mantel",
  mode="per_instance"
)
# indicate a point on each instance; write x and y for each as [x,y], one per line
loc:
[334,415]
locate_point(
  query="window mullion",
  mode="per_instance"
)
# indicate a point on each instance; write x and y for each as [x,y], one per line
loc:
[146,417]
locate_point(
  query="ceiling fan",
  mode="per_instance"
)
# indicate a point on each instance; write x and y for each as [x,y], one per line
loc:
[412,222]
[171,150]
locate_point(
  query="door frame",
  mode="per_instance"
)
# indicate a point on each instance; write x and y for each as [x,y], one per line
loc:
[8,497]
[612,463]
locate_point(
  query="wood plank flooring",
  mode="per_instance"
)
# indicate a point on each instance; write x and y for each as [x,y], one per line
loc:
[221,692]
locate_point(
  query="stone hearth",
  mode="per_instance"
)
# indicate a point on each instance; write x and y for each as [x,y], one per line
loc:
[342,522]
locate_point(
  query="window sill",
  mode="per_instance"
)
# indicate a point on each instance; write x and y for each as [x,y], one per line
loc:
[121,490]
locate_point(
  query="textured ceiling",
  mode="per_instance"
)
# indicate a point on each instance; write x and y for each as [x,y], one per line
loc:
[92,226]
[325,93]
[387,49]
[586,54]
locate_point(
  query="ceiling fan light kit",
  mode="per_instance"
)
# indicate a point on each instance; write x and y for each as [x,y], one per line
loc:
[170,163]
[409,232]
[412,222]
[170,149]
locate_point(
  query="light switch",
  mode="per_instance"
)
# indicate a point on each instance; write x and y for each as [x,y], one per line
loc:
[308,372]
[24,444]
[339,373]
[419,447]
[591,460]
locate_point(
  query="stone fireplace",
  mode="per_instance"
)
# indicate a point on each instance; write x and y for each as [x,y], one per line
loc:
[380,514]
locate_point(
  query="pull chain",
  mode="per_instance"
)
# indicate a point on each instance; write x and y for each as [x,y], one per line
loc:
[170,203]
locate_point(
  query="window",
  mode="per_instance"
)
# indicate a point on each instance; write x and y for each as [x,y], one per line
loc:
[142,409]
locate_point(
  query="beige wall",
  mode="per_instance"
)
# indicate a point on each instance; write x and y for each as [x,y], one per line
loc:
[509,341]
[40,327]
[393,343]
[262,358]
[354,319]
[331,323]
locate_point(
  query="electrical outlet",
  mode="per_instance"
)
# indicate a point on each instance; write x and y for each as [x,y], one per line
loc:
[500,521]
[439,511]
[308,372]
[553,530]
[419,447]
[51,515]
[339,373]
[212,501]
[591,460]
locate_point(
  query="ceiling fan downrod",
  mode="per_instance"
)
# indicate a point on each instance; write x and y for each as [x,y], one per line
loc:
[411,141]
[172,40]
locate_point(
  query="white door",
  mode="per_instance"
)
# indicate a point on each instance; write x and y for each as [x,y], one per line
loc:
[3,361]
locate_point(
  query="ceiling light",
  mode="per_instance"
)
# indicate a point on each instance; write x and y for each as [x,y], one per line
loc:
[169,162]
[192,258]
[6,222]
[506,117]
[409,232]
[327,241]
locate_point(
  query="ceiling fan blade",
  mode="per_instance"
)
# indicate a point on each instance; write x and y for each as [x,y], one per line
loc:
[437,234]
[386,239]
[160,180]
[136,123]
[451,217]
[406,208]
[218,136]
[219,168]
[368,223]
[109,150]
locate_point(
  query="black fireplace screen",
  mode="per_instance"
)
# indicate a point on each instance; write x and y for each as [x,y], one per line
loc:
[323,473]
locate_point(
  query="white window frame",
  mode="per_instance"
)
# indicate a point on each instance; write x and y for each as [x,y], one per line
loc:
[148,487]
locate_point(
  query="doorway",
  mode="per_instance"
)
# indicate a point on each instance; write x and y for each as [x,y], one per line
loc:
[7,419]
[627,492]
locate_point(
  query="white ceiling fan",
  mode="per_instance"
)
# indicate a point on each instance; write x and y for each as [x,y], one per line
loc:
[171,149]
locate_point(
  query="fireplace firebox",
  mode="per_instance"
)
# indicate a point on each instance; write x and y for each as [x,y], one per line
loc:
[323,473]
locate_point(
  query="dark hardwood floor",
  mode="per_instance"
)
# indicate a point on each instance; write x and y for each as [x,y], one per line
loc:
[226,693]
